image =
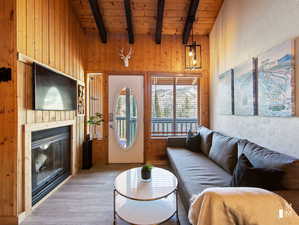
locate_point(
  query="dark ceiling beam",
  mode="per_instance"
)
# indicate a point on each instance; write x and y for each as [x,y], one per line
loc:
[94,6]
[128,10]
[159,25]
[190,20]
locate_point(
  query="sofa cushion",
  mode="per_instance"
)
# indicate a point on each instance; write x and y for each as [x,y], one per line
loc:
[264,158]
[193,142]
[224,151]
[195,172]
[206,139]
[245,175]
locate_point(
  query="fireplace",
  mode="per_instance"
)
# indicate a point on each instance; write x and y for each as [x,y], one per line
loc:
[51,160]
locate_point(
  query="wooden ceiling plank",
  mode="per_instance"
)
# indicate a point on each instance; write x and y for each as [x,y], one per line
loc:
[144,14]
[127,4]
[94,6]
[190,19]
[159,25]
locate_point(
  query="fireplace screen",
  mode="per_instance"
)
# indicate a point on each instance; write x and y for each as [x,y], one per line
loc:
[50,160]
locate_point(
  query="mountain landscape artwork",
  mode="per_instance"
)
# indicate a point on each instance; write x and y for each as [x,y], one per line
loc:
[225,94]
[244,93]
[276,81]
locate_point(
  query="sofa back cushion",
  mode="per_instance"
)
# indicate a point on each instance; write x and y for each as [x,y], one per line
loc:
[206,136]
[245,175]
[224,151]
[261,157]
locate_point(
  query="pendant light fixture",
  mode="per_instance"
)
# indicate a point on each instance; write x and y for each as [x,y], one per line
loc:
[192,54]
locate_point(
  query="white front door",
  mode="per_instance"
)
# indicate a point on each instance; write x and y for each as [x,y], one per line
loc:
[125,119]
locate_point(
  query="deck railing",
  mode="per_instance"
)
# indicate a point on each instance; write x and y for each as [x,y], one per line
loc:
[160,126]
[169,127]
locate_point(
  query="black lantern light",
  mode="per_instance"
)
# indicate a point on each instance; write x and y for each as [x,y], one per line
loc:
[192,55]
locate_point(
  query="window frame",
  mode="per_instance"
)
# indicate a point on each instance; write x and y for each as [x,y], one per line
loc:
[174,75]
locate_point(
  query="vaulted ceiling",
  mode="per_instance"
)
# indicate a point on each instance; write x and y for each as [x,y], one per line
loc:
[144,16]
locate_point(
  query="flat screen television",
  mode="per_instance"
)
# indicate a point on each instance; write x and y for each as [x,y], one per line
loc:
[53,91]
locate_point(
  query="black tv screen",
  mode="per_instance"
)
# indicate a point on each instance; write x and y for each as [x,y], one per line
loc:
[53,91]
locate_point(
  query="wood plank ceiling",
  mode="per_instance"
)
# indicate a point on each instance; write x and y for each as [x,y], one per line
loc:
[144,15]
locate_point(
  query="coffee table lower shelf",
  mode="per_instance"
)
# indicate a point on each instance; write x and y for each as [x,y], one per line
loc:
[145,212]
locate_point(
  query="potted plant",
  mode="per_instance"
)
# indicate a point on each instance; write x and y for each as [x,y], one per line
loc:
[146,172]
[95,121]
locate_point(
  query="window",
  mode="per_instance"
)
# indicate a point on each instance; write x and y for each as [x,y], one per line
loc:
[95,93]
[174,105]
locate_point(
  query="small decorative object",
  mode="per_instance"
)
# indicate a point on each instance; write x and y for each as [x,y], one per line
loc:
[125,58]
[192,55]
[276,81]
[81,100]
[95,121]
[226,92]
[146,172]
[245,103]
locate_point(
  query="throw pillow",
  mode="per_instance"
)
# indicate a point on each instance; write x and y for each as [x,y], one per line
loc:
[245,175]
[224,151]
[193,142]
[206,136]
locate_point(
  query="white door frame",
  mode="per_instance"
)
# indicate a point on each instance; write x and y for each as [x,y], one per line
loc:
[135,154]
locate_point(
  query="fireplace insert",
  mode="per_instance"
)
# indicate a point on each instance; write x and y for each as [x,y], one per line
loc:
[51,151]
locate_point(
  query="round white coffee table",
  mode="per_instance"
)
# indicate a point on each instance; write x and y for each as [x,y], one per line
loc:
[143,203]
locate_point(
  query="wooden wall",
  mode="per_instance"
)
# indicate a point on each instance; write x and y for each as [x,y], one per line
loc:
[147,57]
[8,115]
[48,32]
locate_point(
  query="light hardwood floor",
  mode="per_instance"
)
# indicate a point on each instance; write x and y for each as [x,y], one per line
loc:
[85,199]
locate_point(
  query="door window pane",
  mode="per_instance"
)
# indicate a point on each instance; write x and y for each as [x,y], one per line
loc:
[162,106]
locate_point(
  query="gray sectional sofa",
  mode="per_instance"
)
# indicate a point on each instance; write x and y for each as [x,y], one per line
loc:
[198,170]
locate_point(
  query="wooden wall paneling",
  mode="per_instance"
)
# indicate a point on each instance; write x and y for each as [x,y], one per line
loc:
[46,116]
[45,32]
[67,39]
[70,31]
[51,33]
[8,115]
[38,116]
[62,27]
[56,25]
[78,53]
[30,31]
[147,56]
[30,114]
[21,94]
[38,38]
[156,150]
[22,25]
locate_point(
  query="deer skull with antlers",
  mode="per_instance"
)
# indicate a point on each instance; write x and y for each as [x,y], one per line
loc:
[125,58]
